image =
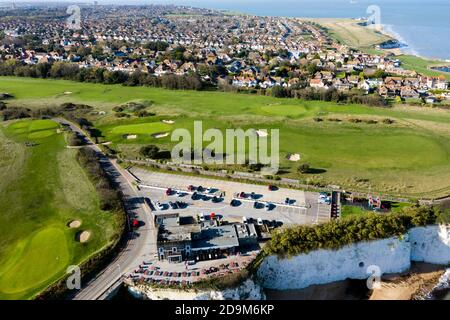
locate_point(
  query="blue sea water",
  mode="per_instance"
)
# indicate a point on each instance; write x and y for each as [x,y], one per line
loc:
[423,24]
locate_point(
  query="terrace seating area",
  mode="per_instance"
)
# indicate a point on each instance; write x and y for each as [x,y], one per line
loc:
[163,274]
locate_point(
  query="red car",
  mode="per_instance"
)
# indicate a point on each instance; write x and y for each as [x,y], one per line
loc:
[168,191]
[190,188]
[135,223]
[272,188]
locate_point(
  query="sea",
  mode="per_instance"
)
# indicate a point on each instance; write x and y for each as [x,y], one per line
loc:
[424,25]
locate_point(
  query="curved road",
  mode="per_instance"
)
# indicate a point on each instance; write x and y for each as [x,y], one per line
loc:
[140,244]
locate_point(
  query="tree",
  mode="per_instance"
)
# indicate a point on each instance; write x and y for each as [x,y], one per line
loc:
[150,151]
[304,168]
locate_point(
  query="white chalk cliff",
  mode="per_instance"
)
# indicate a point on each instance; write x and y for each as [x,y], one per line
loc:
[428,244]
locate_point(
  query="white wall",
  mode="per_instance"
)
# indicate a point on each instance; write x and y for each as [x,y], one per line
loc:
[430,244]
[324,266]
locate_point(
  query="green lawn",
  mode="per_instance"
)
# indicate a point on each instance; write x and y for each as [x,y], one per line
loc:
[42,189]
[422,65]
[410,157]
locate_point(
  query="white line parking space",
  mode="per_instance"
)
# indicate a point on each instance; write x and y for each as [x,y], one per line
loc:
[303,208]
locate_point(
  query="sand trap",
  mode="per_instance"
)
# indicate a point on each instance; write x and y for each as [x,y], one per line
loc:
[74,224]
[293,157]
[168,121]
[83,236]
[160,135]
[130,136]
[68,92]
[262,133]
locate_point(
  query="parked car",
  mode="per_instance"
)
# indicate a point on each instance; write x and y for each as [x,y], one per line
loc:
[287,201]
[173,205]
[190,188]
[268,206]
[260,222]
[194,196]
[169,191]
[272,188]
[180,193]
[235,203]
[244,219]
[242,195]
[160,205]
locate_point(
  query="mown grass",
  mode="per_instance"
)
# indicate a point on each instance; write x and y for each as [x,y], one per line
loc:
[422,65]
[409,157]
[43,188]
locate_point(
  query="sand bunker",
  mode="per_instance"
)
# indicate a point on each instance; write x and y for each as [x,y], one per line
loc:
[74,224]
[68,92]
[160,135]
[83,236]
[130,136]
[293,157]
[168,121]
[262,133]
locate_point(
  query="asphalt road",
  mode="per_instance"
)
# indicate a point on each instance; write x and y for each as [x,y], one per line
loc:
[140,244]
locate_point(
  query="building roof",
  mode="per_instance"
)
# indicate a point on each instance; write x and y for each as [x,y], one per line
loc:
[220,237]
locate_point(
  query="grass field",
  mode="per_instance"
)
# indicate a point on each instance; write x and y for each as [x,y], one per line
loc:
[410,157]
[422,65]
[348,31]
[42,189]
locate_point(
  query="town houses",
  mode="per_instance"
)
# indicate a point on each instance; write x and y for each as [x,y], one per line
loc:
[242,51]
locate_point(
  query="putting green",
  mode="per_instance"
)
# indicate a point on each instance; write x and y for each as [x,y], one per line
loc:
[41,134]
[44,255]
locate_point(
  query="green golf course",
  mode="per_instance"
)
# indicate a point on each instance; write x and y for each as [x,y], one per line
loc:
[42,190]
[400,150]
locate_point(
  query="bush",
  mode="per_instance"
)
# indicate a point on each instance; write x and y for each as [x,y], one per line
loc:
[74,140]
[304,168]
[12,113]
[150,151]
[110,197]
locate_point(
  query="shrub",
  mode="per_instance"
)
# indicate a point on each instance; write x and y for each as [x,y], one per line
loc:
[150,151]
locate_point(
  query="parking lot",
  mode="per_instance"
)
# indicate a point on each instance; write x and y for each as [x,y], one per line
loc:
[302,209]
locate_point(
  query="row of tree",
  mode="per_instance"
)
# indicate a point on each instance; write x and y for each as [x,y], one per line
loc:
[331,95]
[71,71]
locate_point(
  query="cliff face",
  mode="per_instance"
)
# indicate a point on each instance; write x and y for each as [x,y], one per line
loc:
[430,244]
[323,266]
[393,255]
[249,290]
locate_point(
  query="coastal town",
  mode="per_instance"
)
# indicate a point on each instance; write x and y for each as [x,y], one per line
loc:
[206,48]
[111,115]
